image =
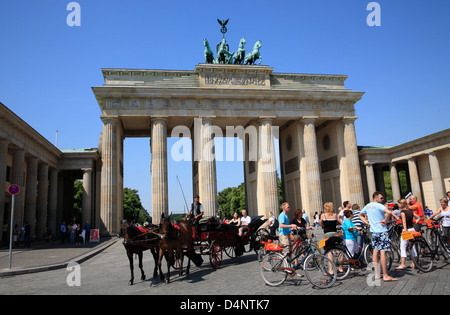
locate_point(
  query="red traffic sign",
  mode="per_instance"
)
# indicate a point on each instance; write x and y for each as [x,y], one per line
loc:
[14,189]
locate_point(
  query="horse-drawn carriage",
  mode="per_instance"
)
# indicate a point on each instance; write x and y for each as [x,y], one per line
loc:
[216,237]
[179,239]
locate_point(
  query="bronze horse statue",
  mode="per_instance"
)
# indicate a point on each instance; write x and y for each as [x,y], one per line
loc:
[136,241]
[174,236]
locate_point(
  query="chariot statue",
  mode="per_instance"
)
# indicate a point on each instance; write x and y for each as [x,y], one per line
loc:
[224,56]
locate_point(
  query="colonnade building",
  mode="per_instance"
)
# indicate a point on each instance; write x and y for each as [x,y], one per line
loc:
[312,116]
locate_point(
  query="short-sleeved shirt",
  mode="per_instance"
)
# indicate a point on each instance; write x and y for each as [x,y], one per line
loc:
[246,220]
[349,235]
[375,214]
[283,218]
[356,219]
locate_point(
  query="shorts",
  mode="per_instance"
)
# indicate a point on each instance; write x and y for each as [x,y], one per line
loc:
[381,241]
[286,240]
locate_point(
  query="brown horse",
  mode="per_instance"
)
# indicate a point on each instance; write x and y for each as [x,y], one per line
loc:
[136,241]
[173,238]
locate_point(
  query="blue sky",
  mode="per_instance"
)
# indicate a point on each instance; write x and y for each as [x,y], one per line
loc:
[47,68]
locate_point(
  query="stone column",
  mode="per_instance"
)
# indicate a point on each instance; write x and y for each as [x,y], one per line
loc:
[267,170]
[17,177]
[30,194]
[108,204]
[371,184]
[160,191]
[53,201]
[436,178]
[42,201]
[87,199]
[207,169]
[415,181]
[395,184]
[3,167]
[312,165]
[352,157]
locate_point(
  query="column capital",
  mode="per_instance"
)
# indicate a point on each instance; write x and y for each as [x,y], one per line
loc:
[266,119]
[349,119]
[309,119]
[109,119]
[159,118]
[207,118]
[369,163]
[4,141]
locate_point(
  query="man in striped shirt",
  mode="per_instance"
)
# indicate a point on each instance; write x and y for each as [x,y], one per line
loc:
[359,224]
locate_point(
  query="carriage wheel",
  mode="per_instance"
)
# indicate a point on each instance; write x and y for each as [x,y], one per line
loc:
[215,254]
[230,251]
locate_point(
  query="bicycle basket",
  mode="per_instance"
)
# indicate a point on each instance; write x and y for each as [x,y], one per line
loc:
[409,235]
[272,247]
[432,224]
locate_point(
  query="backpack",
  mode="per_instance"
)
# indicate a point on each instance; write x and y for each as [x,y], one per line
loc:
[273,229]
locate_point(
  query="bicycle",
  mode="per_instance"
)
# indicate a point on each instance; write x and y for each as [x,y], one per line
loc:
[275,267]
[437,238]
[337,251]
[423,253]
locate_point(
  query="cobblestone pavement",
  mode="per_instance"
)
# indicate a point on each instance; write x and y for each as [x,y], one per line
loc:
[108,273]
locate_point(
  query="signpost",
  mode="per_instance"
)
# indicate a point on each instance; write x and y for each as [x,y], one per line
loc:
[13,190]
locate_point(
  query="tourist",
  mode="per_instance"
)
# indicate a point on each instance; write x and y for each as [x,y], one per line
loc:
[359,224]
[350,233]
[16,235]
[77,235]
[245,222]
[316,220]
[374,214]
[328,220]
[416,207]
[27,233]
[63,230]
[236,220]
[87,227]
[285,227]
[407,216]
[444,211]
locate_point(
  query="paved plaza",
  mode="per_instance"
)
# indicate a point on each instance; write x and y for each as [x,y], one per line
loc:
[103,270]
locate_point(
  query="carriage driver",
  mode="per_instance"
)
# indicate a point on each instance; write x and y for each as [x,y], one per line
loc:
[196,214]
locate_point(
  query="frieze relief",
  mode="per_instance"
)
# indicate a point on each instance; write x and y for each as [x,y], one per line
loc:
[226,104]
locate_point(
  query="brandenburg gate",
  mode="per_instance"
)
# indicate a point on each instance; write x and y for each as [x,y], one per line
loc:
[311,115]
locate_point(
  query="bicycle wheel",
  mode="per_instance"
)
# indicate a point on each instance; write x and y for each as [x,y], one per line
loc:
[261,253]
[368,253]
[272,268]
[320,271]
[341,260]
[445,247]
[439,245]
[422,256]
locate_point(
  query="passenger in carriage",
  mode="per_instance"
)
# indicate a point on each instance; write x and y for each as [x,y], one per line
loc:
[236,220]
[245,222]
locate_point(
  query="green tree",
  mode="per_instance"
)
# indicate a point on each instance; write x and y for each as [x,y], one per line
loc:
[132,207]
[77,200]
[231,199]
